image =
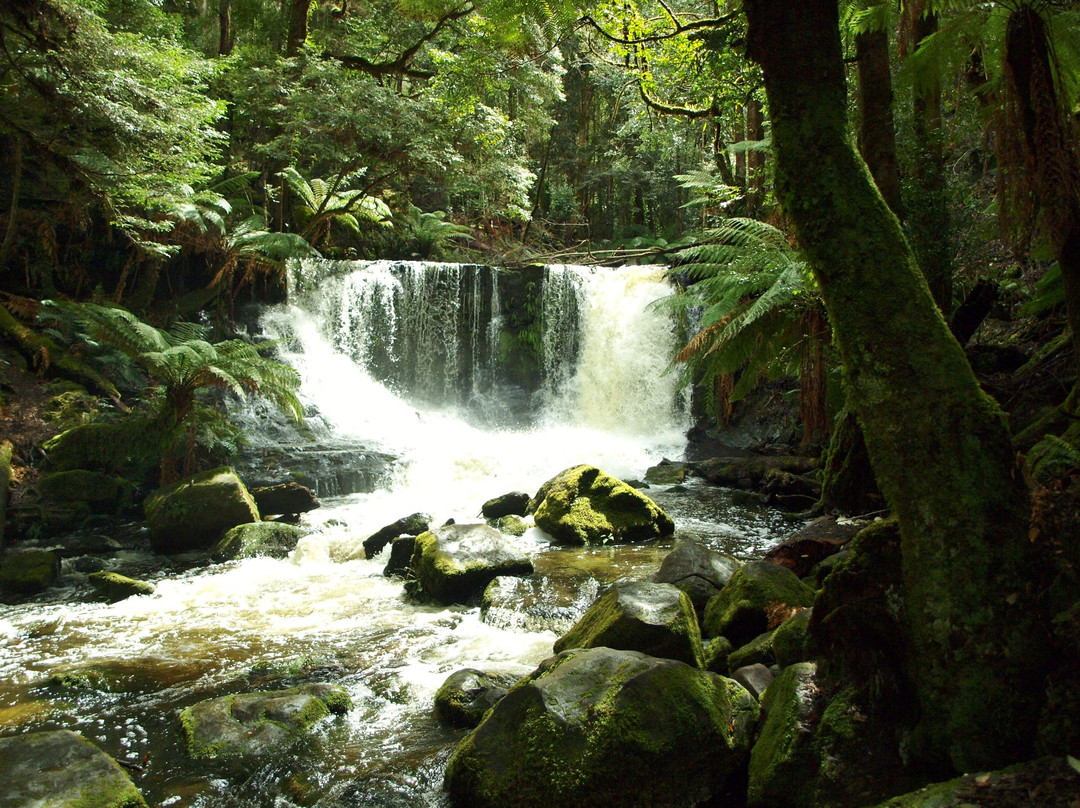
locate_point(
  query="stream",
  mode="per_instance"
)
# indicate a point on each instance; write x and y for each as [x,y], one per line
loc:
[463,398]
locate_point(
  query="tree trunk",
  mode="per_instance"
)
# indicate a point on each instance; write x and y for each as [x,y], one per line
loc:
[298,27]
[928,218]
[225,28]
[13,208]
[877,132]
[939,446]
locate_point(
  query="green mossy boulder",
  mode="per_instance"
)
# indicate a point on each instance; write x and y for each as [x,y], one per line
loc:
[467,695]
[194,512]
[583,505]
[784,762]
[454,563]
[28,572]
[717,651]
[655,619]
[272,539]
[758,597]
[61,769]
[510,525]
[601,728]
[252,724]
[113,586]
[791,640]
[130,448]
[102,493]
[666,473]
[759,651]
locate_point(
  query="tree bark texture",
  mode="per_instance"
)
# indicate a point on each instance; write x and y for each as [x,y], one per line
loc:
[877,131]
[939,446]
[298,27]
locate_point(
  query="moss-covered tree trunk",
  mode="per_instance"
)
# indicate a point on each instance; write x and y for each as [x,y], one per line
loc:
[939,446]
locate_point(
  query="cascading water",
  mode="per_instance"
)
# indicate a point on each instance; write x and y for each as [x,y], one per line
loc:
[477,384]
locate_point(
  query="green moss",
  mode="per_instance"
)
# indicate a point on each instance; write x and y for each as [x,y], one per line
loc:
[28,572]
[104,493]
[741,610]
[130,448]
[758,651]
[791,639]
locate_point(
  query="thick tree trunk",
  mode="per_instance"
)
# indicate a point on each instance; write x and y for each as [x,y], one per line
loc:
[877,132]
[928,216]
[939,446]
[298,27]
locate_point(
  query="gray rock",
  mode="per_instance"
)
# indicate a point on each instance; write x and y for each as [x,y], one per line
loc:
[411,525]
[601,728]
[401,550]
[60,769]
[468,694]
[252,724]
[698,571]
[284,499]
[655,619]
[454,563]
[513,504]
[755,678]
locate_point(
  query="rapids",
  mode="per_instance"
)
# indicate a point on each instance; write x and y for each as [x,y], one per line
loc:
[396,358]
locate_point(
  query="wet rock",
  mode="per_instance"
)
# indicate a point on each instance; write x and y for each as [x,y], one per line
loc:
[454,563]
[61,769]
[411,525]
[510,525]
[28,572]
[537,602]
[401,550]
[758,597]
[286,499]
[809,546]
[759,651]
[253,724]
[698,571]
[513,504]
[468,694]
[583,505]
[271,539]
[717,651]
[602,728]
[194,512]
[784,762]
[666,472]
[113,586]
[755,678]
[101,493]
[748,472]
[655,619]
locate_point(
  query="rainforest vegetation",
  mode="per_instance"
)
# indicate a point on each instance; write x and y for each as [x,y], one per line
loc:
[874,206]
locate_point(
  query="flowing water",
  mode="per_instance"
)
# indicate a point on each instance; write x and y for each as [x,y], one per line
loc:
[421,365]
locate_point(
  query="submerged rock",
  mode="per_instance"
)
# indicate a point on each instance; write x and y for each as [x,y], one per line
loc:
[113,586]
[411,525]
[655,619]
[515,503]
[758,597]
[697,571]
[468,694]
[601,728]
[583,505]
[537,602]
[272,539]
[61,769]
[454,563]
[252,724]
[194,512]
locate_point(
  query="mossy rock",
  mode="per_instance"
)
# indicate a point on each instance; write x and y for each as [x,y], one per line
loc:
[583,505]
[666,473]
[115,587]
[515,503]
[253,724]
[791,640]
[130,448]
[717,650]
[758,651]
[61,769]
[29,572]
[655,619]
[698,571]
[601,728]
[758,597]
[467,695]
[510,525]
[271,539]
[454,563]
[103,493]
[194,512]
[784,761]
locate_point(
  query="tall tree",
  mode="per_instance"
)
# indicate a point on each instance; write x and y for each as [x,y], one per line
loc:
[940,447]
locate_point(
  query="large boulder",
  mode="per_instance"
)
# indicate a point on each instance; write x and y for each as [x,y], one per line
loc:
[655,619]
[748,472]
[194,512]
[61,769]
[454,563]
[698,571]
[284,499]
[28,572]
[513,504]
[602,728]
[583,505]
[758,597]
[130,448]
[412,525]
[468,694]
[252,724]
[272,539]
[102,493]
